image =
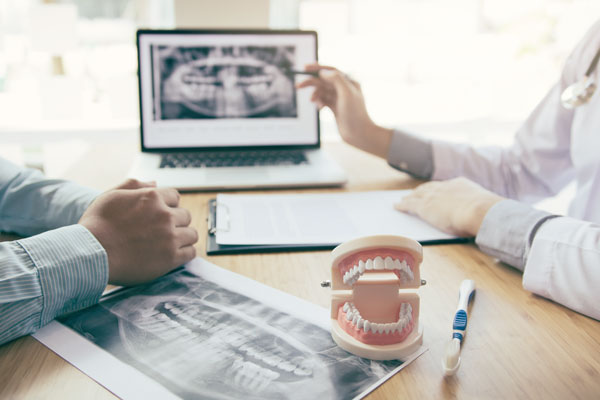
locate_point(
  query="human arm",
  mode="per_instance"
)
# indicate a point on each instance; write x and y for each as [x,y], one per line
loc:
[30,203]
[537,165]
[47,275]
[560,256]
[344,97]
[127,236]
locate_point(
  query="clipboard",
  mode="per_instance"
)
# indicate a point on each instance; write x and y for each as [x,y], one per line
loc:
[213,248]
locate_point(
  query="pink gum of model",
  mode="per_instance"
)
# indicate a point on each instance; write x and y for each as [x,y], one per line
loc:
[374,305]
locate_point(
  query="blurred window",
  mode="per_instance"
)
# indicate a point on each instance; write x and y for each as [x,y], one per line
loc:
[462,70]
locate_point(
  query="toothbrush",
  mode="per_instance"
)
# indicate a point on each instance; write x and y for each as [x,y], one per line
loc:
[451,360]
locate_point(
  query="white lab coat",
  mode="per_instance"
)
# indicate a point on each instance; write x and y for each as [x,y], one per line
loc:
[553,147]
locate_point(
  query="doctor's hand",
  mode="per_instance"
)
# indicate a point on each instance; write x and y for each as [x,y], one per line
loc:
[143,230]
[344,97]
[456,206]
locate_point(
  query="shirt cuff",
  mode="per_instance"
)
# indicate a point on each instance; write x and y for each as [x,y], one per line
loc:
[411,154]
[72,267]
[508,229]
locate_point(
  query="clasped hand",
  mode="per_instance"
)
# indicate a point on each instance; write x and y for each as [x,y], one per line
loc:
[143,230]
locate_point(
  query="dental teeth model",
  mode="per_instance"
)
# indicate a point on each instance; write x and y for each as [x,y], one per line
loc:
[374,304]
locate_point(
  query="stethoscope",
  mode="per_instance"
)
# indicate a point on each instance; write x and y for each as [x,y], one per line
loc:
[582,91]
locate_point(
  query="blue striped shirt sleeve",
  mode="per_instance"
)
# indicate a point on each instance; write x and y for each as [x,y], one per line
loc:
[31,203]
[46,275]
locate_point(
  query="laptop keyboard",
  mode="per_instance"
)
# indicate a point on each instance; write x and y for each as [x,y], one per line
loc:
[215,159]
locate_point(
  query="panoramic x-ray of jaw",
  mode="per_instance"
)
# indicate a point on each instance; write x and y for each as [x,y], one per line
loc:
[203,341]
[373,315]
[227,82]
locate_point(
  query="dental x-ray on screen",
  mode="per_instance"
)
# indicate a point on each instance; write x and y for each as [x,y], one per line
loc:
[234,81]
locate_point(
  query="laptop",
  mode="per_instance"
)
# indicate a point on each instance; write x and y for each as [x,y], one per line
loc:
[219,110]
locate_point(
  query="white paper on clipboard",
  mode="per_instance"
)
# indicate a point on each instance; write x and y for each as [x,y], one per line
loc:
[316,218]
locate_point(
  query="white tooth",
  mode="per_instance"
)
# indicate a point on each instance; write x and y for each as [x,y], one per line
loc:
[409,311]
[380,328]
[355,270]
[373,327]
[366,325]
[302,372]
[369,264]
[346,307]
[408,271]
[272,360]
[349,315]
[360,322]
[403,322]
[398,326]
[270,375]
[389,263]
[397,264]
[378,263]
[355,319]
[286,366]
[361,266]
[387,328]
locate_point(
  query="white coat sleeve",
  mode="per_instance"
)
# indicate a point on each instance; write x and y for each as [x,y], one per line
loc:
[563,264]
[560,256]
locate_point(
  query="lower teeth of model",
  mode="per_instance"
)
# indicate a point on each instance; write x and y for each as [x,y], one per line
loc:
[404,318]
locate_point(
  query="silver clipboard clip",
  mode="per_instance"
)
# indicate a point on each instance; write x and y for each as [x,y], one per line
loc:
[212,225]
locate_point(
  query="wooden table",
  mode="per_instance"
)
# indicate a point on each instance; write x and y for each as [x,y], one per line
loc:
[519,345]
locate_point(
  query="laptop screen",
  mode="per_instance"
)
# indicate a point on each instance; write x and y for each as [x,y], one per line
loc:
[204,89]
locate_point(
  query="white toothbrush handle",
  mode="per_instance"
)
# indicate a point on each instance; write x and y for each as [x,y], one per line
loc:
[465,294]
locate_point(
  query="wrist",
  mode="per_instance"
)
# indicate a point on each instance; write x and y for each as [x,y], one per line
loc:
[479,211]
[378,140]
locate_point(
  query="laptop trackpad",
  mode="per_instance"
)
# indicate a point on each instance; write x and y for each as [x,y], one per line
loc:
[238,174]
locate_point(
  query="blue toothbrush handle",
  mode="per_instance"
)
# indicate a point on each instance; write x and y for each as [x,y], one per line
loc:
[459,325]
[465,295]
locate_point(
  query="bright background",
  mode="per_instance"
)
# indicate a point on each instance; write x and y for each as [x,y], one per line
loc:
[459,70]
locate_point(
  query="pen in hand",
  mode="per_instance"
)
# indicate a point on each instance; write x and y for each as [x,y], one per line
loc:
[296,72]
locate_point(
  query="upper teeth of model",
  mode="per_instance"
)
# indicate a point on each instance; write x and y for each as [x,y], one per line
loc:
[378,263]
[404,318]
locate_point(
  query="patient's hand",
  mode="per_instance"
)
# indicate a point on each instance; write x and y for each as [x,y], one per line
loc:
[456,206]
[143,230]
[344,97]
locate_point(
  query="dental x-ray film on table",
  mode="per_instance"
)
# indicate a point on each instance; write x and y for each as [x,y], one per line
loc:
[219,110]
[205,332]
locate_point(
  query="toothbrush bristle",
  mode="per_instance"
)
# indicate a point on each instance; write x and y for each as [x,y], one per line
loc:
[452,353]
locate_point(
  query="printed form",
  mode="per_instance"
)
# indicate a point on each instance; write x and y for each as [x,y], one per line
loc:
[316,218]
